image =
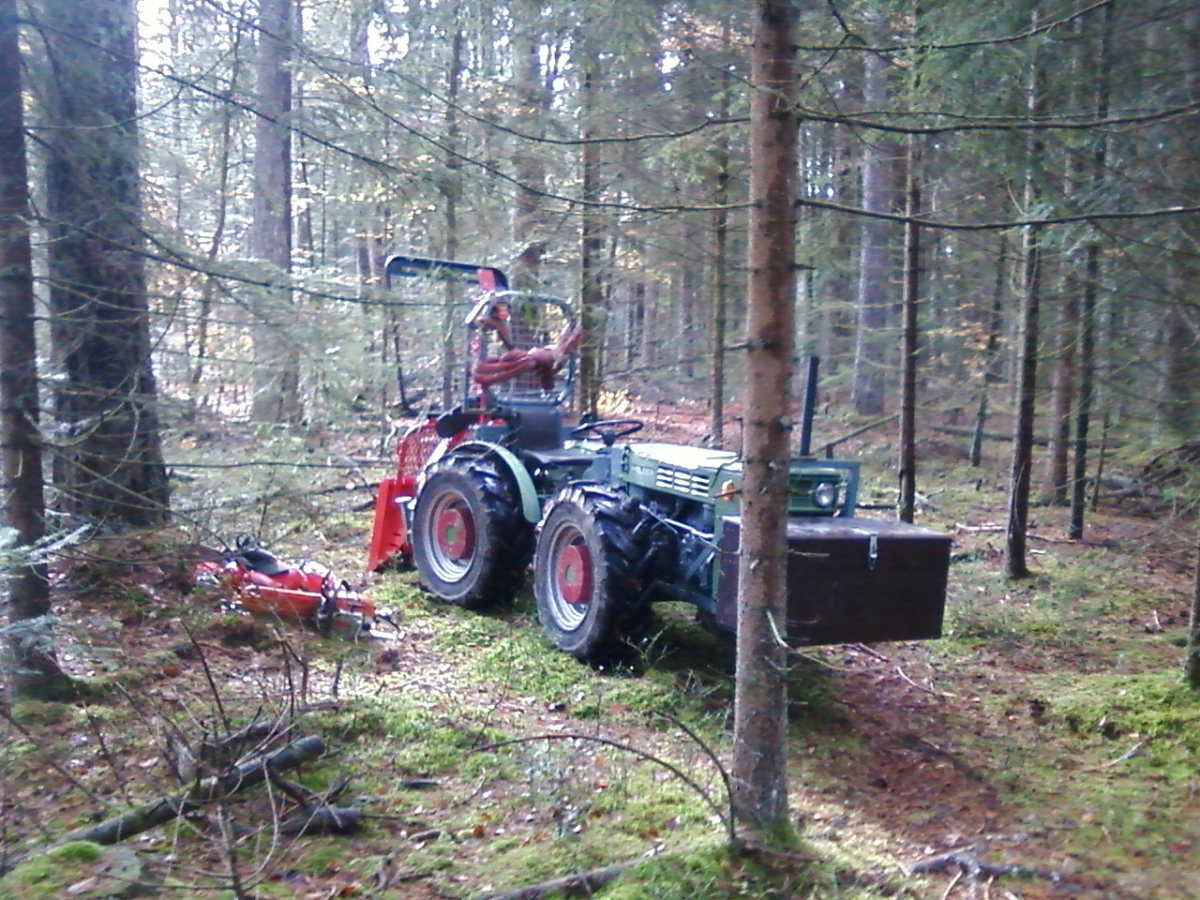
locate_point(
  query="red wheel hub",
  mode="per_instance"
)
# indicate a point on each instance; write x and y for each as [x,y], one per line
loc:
[456,533]
[573,573]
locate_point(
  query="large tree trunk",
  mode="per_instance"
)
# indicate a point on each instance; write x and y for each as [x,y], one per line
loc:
[530,169]
[29,668]
[760,793]
[277,381]
[109,467]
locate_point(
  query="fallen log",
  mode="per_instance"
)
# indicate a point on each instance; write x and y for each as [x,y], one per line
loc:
[322,819]
[163,810]
[581,883]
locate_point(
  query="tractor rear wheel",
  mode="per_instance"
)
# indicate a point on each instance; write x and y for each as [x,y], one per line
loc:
[587,570]
[471,543]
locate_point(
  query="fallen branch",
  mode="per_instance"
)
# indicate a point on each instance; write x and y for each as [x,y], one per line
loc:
[973,866]
[579,884]
[1128,754]
[966,860]
[921,687]
[165,809]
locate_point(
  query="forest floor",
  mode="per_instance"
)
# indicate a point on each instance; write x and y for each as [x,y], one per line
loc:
[1046,747]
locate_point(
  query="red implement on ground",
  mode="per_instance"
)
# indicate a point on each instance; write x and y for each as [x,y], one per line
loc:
[261,583]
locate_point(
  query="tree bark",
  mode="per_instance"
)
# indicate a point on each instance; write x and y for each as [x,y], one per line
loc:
[995,324]
[451,191]
[760,719]
[109,466]
[535,103]
[277,382]
[720,262]
[1020,479]
[1091,288]
[875,258]
[1062,390]
[1191,663]
[591,240]
[909,342]
[28,669]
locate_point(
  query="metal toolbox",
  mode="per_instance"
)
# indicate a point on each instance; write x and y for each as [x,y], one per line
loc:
[851,580]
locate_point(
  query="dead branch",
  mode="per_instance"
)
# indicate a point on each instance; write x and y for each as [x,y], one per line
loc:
[163,810]
[322,819]
[577,885]
[1128,754]
[975,867]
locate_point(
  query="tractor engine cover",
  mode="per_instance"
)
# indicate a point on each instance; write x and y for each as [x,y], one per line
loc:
[851,580]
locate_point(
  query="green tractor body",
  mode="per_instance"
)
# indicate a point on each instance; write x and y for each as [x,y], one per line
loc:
[503,485]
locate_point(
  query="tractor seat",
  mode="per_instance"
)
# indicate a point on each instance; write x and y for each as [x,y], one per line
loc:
[535,428]
[555,458]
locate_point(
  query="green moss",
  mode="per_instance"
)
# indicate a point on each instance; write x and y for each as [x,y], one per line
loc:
[714,873]
[35,713]
[77,852]
[47,875]
[322,858]
[1155,706]
[546,855]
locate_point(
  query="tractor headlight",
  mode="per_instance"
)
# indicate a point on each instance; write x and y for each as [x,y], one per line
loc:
[824,495]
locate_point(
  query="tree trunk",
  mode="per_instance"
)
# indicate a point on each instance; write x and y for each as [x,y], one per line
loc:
[591,293]
[451,191]
[109,468]
[687,275]
[530,170]
[1091,287]
[1191,664]
[1062,392]
[760,719]
[875,258]
[1022,458]
[908,374]
[29,667]
[720,264]
[995,325]
[204,314]
[277,382]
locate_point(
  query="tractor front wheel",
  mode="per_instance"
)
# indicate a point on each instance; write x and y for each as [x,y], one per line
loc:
[471,544]
[586,581]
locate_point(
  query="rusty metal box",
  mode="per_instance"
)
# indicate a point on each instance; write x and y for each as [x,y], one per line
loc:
[851,580]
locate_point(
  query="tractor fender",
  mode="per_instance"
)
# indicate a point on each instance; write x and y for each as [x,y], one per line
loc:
[530,507]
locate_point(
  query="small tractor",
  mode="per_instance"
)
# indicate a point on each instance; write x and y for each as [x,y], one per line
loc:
[610,524]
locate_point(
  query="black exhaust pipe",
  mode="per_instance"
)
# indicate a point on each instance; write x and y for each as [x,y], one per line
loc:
[809,410]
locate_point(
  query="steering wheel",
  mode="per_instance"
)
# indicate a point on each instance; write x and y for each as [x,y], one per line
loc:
[608,430]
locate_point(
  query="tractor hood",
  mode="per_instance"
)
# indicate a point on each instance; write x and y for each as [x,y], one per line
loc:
[716,475]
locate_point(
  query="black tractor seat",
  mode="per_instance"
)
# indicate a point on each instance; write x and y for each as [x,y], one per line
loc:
[558,457]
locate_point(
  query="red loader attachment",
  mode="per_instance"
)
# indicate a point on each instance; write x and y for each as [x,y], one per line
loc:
[390,541]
